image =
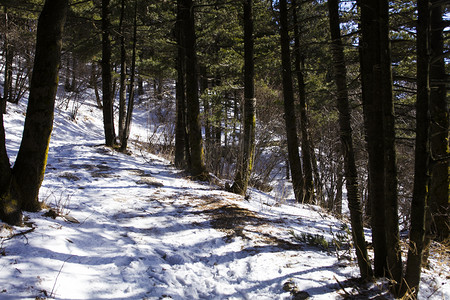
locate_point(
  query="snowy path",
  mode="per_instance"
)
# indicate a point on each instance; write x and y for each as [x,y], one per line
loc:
[145,231]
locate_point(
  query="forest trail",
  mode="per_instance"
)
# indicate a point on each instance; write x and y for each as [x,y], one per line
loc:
[146,231]
[134,227]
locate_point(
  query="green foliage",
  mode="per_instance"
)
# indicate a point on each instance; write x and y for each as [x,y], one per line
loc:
[220,41]
[340,243]
[82,36]
[315,240]
[343,238]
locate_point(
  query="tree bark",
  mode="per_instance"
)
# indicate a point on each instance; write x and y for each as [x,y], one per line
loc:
[289,108]
[180,127]
[440,180]
[108,113]
[197,163]
[8,53]
[380,133]
[394,259]
[123,73]
[206,109]
[28,172]
[306,147]
[373,123]
[422,154]
[244,167]
[351,175]
[127,127]
[9,208]
[94,82]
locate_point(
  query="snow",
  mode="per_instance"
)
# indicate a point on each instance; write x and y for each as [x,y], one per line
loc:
[134,227]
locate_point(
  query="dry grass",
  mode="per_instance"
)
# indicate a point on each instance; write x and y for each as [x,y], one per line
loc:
[439,258]
[236,221]
[150,181]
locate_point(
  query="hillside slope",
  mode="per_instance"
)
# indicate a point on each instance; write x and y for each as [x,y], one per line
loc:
[123,226]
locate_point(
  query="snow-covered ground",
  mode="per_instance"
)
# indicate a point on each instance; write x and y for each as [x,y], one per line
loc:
[134,227]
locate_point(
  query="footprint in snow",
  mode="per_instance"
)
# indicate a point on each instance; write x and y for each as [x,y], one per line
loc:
[172,258]
[123,261]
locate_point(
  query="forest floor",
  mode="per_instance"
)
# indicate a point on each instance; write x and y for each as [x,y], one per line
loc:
[120,226]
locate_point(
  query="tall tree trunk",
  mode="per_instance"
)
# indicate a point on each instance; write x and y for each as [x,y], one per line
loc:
[180,127]
[440,180]
[108,113]
[8,87]
[95,84]
[197,168]
[306,147]
[351,175]
[244,167]
[67,73]
[8,53]
[206,111]
[123,73]
[140,86]
[394,259]
[289,108]
[9,208]
[373,123]
[379,123]
[28,172]
[126,131]
[422,153]
[73,84]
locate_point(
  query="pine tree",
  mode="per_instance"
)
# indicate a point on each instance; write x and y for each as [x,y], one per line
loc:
[376,81]
[422,155]
[308,183]
[351,175]
[289,109]
[197,161]
[108,112]
[20,185]
[248,143]
[130,107]
[440,181]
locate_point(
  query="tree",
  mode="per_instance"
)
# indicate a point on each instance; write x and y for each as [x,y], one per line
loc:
[19,187]
[306,148]
[181,139]
[351,175]
[8,53]
[394,258]
[108,112]
[374,135]
[289,109]
[123,72]
[126,131]
[422,154]
[248,143]
[197,162]
[376,80]
[440,180]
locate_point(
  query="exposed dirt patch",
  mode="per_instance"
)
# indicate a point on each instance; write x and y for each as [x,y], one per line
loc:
[103,167]
[101,170]
[150,181]
[69,176]
[236,221]
[136,172]
[82,166]
[232,220]
[101,174]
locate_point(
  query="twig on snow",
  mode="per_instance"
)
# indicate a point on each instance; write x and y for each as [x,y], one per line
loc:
[56,279]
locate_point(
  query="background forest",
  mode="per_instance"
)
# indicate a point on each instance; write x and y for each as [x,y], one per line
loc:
[347,99]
